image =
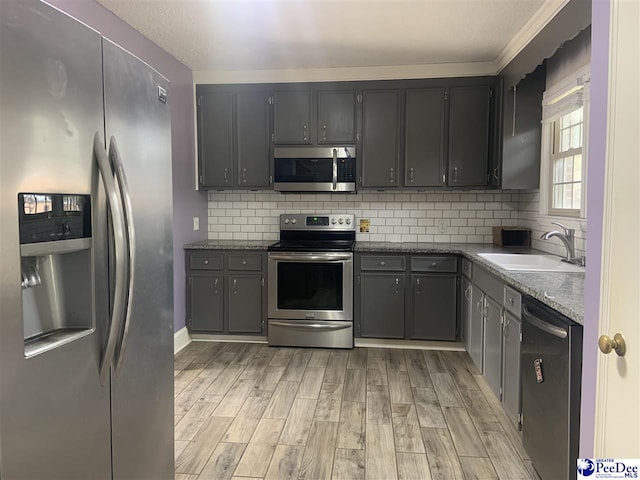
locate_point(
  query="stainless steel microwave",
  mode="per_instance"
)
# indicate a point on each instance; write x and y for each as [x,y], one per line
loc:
[314,169]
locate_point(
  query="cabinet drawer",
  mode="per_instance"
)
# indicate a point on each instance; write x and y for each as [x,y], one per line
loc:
[467,268]
[434,264]
[252,262]
[205,261]
[512,301]
[374,262]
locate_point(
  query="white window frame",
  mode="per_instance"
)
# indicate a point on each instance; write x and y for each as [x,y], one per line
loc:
[560,99]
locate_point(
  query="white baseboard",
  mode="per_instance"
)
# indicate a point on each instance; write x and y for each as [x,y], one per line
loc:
[181,339]
[410,344]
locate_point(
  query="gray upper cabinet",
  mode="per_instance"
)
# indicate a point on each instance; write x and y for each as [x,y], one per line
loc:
[245,303]
[336,117]
[380,139]
[215,139]
[382,305]
[522,132]
[433,306]
[425,139]
[292,118]
[252,126]
[469,122]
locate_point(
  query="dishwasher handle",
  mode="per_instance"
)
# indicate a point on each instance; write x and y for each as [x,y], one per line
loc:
[542,325]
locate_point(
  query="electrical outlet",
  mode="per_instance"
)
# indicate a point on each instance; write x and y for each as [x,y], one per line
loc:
[442,226]
[196,224]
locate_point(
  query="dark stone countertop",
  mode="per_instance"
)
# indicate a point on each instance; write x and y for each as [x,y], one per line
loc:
[229,245]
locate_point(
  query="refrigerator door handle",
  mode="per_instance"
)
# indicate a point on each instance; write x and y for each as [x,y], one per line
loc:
[118,224]
[116,163]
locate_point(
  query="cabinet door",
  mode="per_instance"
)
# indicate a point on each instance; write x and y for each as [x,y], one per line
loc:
[433,307]
[424,137]
[245,303]
[336,117]
[215,139]
[476,326]
[469,109]
[252,126]
[382,305]
[206,304]
[493,345]
[465,314]
[292,118]
[511,367]
[380,148]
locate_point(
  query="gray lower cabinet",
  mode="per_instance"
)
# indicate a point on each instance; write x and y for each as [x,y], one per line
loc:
[425,139]
[465,313]
[433,307]
[206,302]
[511,366]
[226,292]
[469,122]
[380,158]
[244,296]
[382,305]
[493,345]
[476,327]
[292,117]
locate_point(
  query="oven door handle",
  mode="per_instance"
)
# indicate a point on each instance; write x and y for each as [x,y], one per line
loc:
[310,326]
[296,257]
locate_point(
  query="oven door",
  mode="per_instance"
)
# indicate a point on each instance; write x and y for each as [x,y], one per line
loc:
[311,286]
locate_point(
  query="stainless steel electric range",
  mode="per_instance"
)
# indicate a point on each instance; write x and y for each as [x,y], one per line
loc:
[310,274]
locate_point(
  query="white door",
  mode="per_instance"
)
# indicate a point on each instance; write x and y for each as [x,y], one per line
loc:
[618,411]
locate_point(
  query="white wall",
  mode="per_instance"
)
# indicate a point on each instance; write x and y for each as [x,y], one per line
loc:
[403,216]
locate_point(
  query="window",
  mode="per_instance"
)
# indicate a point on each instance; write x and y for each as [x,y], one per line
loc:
[564,147]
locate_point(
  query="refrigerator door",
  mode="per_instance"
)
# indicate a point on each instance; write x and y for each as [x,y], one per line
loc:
[138,121]
[54,413]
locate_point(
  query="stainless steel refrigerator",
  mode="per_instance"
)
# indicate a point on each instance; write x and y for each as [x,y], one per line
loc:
[86,326]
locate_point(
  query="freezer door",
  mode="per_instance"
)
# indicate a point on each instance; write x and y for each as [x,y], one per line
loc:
[137,118]
[54,413]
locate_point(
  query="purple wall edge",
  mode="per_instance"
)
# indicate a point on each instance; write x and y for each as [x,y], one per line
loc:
[600,17]
[187,202]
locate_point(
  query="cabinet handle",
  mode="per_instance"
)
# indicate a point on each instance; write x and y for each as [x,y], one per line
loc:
[434,265]
[455,174]
[495,174]
[391,175]
[418,285]
[382,263]
[225,176]
[397,286]
[324,132]
[244,262]
[215,286]
[511,301]
[235,286]
[479,304]
[411,174]
[466,293]
[206,262]
[304,132]
[244,175]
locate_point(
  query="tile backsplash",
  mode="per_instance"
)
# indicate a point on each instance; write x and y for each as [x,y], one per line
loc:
[402,216]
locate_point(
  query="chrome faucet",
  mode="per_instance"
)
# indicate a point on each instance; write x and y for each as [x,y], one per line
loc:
[567,236]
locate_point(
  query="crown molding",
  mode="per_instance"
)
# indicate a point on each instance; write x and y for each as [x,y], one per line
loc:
[549,9]
[341,74]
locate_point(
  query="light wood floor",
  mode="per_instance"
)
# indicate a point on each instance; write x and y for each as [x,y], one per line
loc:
[252,411]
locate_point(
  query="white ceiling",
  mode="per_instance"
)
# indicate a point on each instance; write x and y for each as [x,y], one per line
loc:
[215,36]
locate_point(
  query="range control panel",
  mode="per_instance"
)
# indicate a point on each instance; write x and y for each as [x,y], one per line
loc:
[305,221]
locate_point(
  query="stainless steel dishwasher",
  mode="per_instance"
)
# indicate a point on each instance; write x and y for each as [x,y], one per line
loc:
[551,368]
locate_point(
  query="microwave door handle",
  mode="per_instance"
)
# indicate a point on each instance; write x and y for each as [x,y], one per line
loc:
[335,169]
[121,265]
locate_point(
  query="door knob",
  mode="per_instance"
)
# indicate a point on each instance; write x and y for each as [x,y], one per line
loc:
[606,344]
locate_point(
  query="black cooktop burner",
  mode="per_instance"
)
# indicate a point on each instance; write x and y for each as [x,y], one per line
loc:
[313,246]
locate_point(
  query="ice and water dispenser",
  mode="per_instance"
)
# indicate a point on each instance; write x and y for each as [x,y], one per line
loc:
[56,264]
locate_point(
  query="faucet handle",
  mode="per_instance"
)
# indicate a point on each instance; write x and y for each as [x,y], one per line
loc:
[567,231]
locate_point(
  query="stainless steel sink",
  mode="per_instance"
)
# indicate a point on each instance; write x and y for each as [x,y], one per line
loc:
[530,263]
